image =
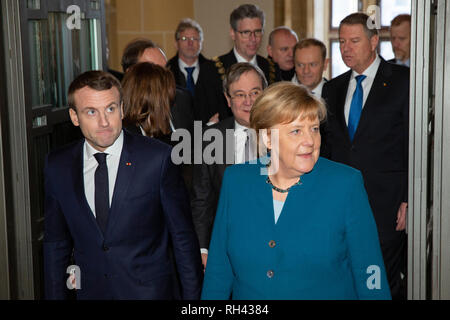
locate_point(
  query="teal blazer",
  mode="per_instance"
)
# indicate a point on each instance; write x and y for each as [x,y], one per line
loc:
[324,245]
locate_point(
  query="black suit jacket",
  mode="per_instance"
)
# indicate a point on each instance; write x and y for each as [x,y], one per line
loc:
[183,110]
[280,75]
[380,146]
[227,60]
[208,98]
[207,181]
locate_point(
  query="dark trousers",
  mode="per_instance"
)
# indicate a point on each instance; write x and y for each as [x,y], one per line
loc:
[394,249]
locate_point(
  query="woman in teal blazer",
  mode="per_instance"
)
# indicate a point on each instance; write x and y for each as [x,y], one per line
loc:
[300,227]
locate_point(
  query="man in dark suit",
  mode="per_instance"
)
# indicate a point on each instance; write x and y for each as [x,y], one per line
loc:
[194,72]
[401,39]
[242,85]
[280,51]
[367,128]
[310,56]
[247,28]
[115,204]
[145,50]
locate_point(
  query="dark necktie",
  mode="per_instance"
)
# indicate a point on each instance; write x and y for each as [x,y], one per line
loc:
[101,191]
[356,107]
[190,85]
[247,147]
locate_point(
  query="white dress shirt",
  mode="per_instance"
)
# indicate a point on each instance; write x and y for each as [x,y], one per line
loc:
[239,58]
[240,137]
[317,91]
[90,164]
[370,74]
[182,65]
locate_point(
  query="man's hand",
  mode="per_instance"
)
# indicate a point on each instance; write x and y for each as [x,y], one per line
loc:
[214,119]
[204,259]
[401,217]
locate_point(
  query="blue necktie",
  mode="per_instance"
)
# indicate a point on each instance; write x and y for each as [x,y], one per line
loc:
[101,191]
[356,107]
[190,85]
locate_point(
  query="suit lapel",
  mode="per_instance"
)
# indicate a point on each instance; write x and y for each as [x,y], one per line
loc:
[125,173]
[78,181]
[376,94]
[341,96]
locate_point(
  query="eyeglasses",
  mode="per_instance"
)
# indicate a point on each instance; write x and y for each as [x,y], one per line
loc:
[246,33]
[240,97]
[188,38]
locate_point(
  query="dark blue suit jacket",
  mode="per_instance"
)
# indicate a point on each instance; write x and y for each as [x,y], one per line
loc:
[149,214]
[380,146]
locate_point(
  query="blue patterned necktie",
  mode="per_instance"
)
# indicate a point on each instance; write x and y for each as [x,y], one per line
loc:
[356,107]
[190,85]
[101,191]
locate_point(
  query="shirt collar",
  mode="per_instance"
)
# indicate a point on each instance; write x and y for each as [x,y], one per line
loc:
[405,63]
[239,58]
[238,128]
[115,149]
[183,64]
[318,88]
[371,71]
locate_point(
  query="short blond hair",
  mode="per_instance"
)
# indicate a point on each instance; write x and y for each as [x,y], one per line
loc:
[283,102]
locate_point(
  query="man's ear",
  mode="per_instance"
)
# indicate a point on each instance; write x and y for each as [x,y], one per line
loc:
[74,117]
[325,64]
[228,99]
[232,34]
[269,50]
[121,110]
[374,42]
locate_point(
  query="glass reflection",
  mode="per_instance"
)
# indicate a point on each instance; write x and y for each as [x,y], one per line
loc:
[58,55]
[34,4]
[392,8]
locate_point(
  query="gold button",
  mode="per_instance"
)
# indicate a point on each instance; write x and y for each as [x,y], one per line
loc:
[272,244]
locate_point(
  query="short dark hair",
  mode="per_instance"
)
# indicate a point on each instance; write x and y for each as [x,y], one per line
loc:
[235,72]
[310,42]
[97,80]
[362,19]
[398,20]
[134,50]
[246,11]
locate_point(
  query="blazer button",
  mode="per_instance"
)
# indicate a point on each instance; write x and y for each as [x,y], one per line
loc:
[105,248]
[270,274]
[272,244]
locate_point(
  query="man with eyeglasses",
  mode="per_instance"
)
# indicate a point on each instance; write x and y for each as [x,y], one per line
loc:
[242,84]
[247,29]
[196,73]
